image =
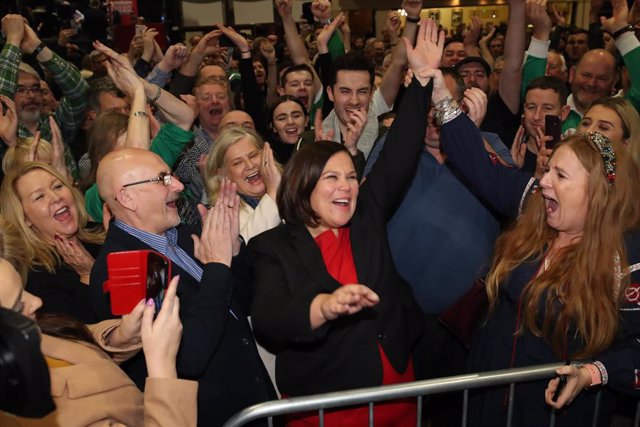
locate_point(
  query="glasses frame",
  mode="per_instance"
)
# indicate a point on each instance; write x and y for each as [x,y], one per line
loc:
[165,178]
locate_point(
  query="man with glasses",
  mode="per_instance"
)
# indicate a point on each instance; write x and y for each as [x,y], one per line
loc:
[22,83]
[217,347]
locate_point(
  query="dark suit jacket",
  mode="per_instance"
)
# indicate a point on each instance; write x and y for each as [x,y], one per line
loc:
[290,273]
[217,349]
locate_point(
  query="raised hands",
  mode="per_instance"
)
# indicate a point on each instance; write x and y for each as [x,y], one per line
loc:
[425,57]
[284,8]
[174,57]
[57,149]
[161,337]
[393,25]
[320,134]
[536,14]
[219,240]
[208,44]
[148,44]
[8,121]
[269,52]
[120,70]
[619,17]
[327,32]
[13,28]
[238,39]
[475,101]
[344,301]
[271,175]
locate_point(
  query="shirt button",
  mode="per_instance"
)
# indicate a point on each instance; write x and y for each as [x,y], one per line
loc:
[257,379]
[245,341]
[381,336]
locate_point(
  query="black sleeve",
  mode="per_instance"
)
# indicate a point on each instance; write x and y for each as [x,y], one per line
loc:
[204,316]
[253,103]
[181,84]
[325,63]
[394,169]
[142,67]
[500,186]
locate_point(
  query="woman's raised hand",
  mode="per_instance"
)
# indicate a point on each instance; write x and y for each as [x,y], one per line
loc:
[271,175]
[161,337]
[425,57]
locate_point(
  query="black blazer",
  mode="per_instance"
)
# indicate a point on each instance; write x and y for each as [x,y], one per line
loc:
[62,292]
[290,272]
[217,349]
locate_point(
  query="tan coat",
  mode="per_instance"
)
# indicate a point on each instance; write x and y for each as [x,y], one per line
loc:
[94,391]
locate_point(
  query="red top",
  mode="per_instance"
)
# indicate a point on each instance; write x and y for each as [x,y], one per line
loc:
[338,258]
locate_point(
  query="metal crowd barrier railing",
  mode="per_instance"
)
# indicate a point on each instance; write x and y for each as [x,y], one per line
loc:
[417,389]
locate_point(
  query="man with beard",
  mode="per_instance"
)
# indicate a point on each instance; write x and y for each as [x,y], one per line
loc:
[22,83]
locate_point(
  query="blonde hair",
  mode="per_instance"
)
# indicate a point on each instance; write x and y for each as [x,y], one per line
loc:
[11,244]
[39,252]
[579,293]
[17,154]
[215,158]
[630,120]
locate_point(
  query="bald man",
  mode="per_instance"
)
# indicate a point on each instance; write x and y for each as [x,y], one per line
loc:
[217,347]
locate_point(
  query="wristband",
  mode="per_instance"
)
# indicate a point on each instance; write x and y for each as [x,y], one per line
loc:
[413,20]
[156,97]
[38,49]
[141,114]
[594,373]
[621,31]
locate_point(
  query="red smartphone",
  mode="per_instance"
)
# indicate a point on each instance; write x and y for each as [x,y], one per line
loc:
[134,275]
[552,128]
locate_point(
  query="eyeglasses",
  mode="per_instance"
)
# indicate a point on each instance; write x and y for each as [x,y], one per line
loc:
[24,90]
[164,178]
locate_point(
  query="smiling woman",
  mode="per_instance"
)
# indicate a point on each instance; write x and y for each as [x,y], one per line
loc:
[239,155]
[59,248]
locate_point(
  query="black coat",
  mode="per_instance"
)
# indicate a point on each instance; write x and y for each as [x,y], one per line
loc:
[62,292]
[217,349]
[290,273]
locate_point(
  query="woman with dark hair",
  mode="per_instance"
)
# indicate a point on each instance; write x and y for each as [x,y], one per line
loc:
[288,120]
[328,300]
[564,278]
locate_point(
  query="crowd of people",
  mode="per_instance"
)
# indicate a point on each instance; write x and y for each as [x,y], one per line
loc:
[327,201]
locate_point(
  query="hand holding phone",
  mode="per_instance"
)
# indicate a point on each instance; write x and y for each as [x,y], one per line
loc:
[552,129]
[134,275]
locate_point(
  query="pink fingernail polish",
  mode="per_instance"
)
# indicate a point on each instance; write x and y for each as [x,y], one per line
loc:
[150,302]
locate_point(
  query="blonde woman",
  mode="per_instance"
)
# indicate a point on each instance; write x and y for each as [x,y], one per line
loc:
[240,155]
[60,249]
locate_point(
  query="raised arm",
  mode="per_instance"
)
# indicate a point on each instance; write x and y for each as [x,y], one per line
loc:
[500,186]
[125,78]
[394,75]
[511,77]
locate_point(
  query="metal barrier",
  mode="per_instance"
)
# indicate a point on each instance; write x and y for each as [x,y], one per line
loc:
[417,389]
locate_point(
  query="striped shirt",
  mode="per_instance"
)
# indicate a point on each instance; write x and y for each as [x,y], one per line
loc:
[167,245]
